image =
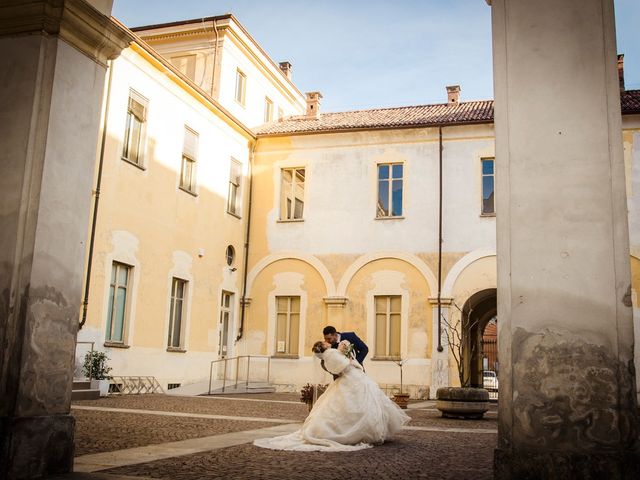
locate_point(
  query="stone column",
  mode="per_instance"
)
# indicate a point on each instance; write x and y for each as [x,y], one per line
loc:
[53,56]
[439,360]
[567,404]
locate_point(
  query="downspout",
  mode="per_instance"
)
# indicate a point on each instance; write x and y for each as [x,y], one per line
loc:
[440,239]
[246,245]
[215,58]
[94,219]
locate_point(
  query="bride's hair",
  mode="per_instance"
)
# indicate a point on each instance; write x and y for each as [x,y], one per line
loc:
[318,347]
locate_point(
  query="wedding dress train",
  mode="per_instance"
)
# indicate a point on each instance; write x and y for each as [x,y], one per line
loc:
[352,414]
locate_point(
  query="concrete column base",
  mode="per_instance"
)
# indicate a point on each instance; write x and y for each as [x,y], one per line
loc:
[37,446]
[525,465]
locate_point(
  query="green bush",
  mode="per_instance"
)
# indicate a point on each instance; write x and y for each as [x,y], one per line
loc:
[95,366]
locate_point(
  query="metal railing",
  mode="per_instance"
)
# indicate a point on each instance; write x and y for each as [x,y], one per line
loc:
[237,360]
[92,349]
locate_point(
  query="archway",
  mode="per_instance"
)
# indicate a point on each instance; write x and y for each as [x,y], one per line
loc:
[478,314]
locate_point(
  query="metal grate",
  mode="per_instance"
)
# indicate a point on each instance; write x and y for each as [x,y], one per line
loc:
[134,385]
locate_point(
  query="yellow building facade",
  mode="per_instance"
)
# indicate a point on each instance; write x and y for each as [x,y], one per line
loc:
[220,181]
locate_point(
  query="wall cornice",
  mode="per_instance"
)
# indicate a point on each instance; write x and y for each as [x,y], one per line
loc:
[75,21]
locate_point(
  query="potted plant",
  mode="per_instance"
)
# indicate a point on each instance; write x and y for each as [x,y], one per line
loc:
[463,401]
[97,371]
[401,398]
[310,393]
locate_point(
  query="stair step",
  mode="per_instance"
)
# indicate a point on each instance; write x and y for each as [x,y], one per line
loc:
[81,385]
[85,394]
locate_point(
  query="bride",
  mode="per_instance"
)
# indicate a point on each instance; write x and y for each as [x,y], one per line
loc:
[352,414]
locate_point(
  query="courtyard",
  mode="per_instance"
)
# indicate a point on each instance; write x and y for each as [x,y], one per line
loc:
[163,436]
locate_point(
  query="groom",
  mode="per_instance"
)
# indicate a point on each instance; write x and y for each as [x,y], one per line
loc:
[332,336]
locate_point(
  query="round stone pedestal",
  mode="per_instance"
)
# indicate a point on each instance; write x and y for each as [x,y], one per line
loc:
[459,402]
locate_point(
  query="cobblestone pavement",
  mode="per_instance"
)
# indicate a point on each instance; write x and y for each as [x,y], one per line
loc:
[421,453]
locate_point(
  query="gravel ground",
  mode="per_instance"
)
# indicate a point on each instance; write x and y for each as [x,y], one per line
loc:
[98,432]
[211,406]
[412,455]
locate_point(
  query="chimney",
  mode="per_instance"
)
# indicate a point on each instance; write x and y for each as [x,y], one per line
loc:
[621,71]
[286,68]
[313,104]
[453,94]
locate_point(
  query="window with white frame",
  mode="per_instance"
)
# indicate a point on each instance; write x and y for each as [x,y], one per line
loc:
[189,156]
[488,187]
[292,194]
[241,86]
[177,313]
[226,305]
[287,325]
[268,110]
[390,188]
[135,130]
[388,326]
[235,181]
[117,308]
[280,113]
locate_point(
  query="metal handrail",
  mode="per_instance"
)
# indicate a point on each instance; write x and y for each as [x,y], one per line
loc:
[237,359]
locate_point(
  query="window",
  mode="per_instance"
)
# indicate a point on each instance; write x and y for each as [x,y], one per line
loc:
[280,113]
[233,196]
[226,304]
[117,309]
[230,255]
[389,190]
[241,86]
[287,325]
[189,155]
[133,146]
[176,314]
[388,310]
[186,64]
[488,207]
[268,110]
[292,194]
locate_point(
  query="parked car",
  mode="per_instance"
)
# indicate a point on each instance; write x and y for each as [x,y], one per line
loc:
[490,380]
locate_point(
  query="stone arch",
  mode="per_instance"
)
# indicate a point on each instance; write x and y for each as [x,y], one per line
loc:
[412,260]
[308,259]
[460,266]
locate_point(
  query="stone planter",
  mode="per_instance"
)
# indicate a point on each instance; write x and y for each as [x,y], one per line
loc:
[401,399]
[459,402]
[102,385]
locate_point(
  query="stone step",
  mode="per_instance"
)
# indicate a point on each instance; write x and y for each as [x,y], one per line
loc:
[257,387]
[81,385]
[85,394]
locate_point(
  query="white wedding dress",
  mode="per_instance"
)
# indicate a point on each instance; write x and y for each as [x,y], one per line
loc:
[352,414]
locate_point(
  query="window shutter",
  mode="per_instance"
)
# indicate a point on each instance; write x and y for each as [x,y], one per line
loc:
[190,148]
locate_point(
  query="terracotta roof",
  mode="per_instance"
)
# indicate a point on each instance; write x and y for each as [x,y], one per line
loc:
[416,116]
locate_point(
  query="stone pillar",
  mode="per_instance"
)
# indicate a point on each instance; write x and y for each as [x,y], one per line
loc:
[53,56]
[439,360]
[567,405]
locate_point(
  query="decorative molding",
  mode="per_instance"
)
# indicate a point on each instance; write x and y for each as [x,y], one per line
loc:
[75,21]
[246,301]
[444,301]
[335,301]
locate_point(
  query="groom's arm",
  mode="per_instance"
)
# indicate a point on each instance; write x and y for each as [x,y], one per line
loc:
[361,348]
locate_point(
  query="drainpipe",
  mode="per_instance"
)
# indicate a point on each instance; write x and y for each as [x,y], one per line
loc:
[94,220]
[246,245]
[440,239]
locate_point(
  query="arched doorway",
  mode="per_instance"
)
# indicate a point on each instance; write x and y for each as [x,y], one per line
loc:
[479,327]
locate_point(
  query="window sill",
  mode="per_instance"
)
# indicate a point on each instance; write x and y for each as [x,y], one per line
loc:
[116,345]
[286,356]
[194,194]
[234,215]
[176,349]
[488,215]
[399,217]
[131,162]
[385,359]
[293,220]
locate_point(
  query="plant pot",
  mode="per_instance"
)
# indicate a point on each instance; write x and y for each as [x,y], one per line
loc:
[401,399]
[102,385]
[462,402]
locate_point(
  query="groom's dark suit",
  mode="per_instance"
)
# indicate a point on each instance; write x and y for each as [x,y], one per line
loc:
[359,347]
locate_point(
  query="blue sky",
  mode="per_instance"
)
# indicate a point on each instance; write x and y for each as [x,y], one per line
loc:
[375,53]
